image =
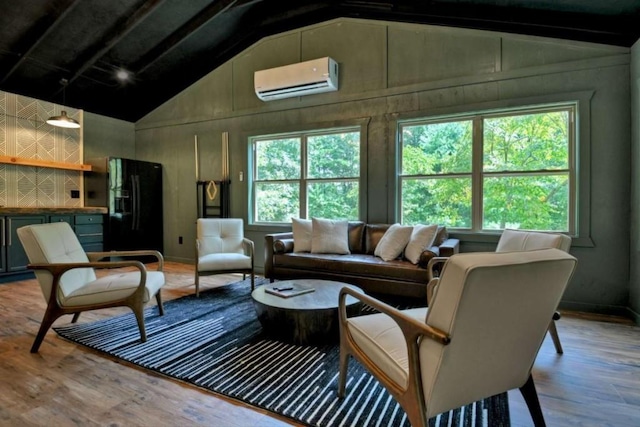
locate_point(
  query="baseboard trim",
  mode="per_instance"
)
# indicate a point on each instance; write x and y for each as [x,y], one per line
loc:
[610,310]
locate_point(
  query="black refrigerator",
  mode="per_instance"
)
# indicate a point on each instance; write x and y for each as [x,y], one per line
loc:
[132,192]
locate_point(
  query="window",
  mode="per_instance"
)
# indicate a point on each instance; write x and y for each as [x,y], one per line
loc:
[493,171]
[306,174]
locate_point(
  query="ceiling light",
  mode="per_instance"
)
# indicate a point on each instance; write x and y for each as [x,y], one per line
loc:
[63,120]
[122,75]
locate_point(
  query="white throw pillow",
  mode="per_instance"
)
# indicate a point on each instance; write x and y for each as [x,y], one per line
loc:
[329,236]
[301,229]
[422,238]
[393,242]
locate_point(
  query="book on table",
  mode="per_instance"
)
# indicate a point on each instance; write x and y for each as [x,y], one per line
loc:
[286,291]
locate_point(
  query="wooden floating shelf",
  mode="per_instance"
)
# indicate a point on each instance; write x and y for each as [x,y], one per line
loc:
[44,163]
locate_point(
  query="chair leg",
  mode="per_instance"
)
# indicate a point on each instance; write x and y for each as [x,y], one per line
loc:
[159,301]
[553,331]
[253,281]
[197,285]
[75,317]
[139,313]
[530,395]
[342,377]
[50,316]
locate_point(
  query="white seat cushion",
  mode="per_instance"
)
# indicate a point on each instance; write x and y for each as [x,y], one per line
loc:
[113,287]
[224,261]
[379,336]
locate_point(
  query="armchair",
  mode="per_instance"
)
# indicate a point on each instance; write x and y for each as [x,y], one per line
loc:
[513,241]
[479,337]
[68,281]
[222,248]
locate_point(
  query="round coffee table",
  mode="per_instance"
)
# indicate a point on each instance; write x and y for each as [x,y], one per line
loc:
[310,318]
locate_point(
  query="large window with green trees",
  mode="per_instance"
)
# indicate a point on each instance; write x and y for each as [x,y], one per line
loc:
[482,172]
[306,174]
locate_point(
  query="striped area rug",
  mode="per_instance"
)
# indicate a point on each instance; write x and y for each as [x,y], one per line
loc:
[216,342]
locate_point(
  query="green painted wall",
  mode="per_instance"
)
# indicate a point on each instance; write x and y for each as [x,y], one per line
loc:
[105,136]
[390,71]
[634,284]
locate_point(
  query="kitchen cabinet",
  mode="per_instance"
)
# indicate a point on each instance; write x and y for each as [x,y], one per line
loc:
[13,257]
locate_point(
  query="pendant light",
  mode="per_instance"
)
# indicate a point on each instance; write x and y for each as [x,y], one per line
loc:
[63,120]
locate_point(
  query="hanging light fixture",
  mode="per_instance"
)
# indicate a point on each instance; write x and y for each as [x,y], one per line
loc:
[63,120]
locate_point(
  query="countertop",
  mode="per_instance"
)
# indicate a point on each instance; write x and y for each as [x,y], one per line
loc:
[53,210]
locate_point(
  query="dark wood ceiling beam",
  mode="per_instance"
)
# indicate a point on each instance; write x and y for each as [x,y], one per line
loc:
[55,20]
[117,33]
[521,20]
[210,12]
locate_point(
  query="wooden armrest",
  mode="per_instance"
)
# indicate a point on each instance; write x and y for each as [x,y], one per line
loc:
[410,327]
[95,256]
[249,247]
[432,263]
[58,269]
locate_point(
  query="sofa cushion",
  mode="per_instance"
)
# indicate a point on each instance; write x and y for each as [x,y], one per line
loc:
[329,236]
[422,238]
[356,233]
[301,229]
[372,235]
[359,265]
[393,242]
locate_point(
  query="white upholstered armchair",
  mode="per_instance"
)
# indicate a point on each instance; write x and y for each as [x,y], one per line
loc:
[479,337]
[68,281]
[514,241]
[222,248]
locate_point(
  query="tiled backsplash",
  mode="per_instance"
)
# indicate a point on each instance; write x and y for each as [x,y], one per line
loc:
[24,133]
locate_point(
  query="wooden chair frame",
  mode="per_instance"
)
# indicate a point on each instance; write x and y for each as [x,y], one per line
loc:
[411,398]
[135,301]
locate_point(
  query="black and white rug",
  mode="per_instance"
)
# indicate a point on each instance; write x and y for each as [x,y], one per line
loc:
[216,342]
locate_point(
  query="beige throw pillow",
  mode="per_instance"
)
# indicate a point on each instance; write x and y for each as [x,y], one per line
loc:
[329,236]
[422,238]
[393,242]
[301,229]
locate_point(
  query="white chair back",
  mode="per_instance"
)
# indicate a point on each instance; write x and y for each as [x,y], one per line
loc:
[517,240]
[220,235]
[55,243]
[496,309]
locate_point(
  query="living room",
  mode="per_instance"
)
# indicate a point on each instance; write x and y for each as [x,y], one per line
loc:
[391,71]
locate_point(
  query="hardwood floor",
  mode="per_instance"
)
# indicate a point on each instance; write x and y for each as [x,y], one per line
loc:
[595,383]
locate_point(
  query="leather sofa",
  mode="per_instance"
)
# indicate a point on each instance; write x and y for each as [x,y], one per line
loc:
[361,267]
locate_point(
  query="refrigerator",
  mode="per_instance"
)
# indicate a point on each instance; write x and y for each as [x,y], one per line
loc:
[132,192]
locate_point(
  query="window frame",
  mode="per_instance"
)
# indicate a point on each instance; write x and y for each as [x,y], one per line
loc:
[303,181]
[580,156]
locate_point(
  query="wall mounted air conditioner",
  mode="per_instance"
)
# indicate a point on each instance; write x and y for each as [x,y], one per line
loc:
[305,78]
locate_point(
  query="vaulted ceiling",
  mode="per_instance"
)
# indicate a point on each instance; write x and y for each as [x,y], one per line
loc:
[160,47]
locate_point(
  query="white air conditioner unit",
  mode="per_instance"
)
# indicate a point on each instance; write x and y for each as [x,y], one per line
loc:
[305,78]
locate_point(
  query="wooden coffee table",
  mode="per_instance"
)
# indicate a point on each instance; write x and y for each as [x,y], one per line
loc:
[310,318]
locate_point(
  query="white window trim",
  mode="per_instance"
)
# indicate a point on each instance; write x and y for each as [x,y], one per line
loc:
[580,156]
[359,125]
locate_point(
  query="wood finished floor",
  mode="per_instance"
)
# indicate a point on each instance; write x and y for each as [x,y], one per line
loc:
[595,383]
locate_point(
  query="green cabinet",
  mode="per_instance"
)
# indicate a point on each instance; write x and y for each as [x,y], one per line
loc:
[13,259]
[13,256]
[89,229]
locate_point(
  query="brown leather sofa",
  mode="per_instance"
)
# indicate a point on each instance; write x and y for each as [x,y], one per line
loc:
[361,267]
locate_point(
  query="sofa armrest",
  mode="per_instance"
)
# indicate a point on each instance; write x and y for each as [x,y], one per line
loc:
[449,247]
[269,250]
[282,246]
[427,255]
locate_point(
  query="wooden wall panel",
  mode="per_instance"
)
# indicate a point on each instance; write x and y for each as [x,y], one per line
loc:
[419,54]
